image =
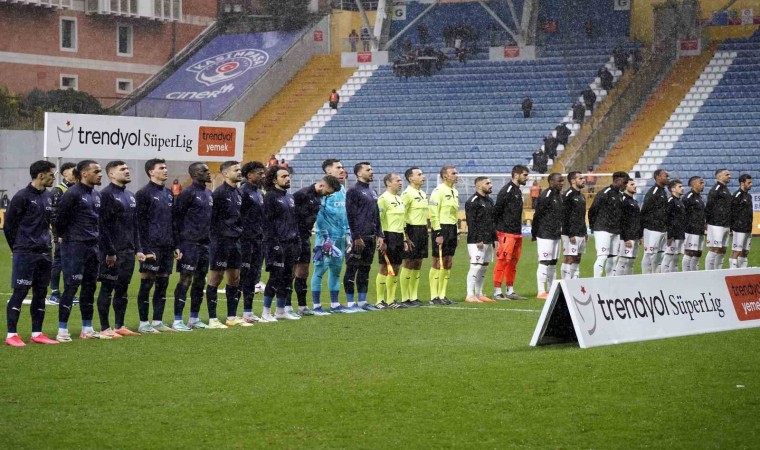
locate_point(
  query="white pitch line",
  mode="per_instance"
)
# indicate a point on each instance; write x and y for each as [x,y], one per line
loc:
[489,309]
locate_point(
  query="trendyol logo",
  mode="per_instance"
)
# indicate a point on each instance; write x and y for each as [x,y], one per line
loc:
[65,137]
[227,66]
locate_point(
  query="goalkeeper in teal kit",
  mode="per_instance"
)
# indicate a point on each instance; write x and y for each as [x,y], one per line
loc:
[331,228]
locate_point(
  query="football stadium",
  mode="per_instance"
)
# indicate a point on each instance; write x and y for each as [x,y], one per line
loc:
[378,224]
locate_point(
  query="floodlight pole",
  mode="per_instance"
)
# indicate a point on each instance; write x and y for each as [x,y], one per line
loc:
[490,11]
[363,15]
[411,24]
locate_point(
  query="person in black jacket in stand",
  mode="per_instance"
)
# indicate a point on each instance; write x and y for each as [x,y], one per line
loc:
[540,161]
[718,218]
[605,220]
[694,225]
[481,236]
[563,133]
[68,180]
[579,112]
[550,147]
[630,231]
[589,98]
[547,230]
[574,234]
[741,222]
[654,217]
[675,228]
[606,78]
[527,107]
[27,230]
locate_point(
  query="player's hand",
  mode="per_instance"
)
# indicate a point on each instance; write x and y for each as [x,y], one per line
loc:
[110,260]
[572,240]
[439,240]
[496,244]
[479,245]
[380,244]
[150,255]
[60,240]
[177,254]
[670,241]
[629,244]
[533,239]
[408,244]
[140,256]
[359,244]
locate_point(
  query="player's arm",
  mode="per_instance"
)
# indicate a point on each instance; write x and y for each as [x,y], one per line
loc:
[541,210]
[501,203]
[352,209]
[66,209]
[594,210]
[434,209]
[143,216]
[105,217]
[13,219]
[736,210]
[672,210]
[179,211]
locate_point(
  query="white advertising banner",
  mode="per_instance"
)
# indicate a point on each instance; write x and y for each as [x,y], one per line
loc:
[615,310]
[756,202]
[141,138]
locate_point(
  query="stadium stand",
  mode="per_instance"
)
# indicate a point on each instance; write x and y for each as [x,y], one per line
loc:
[716,124]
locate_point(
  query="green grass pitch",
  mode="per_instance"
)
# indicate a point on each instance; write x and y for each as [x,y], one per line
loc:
[435,377]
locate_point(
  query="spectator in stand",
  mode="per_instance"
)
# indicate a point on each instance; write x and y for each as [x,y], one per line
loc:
[621,58]
[365,38]
[176,188]
[527,107]
[535,191]
[5,202]
[353,39]
[493,35]
[550,146]
[422,33]
[272,161]
[589,98]
[448,36]
[284,164]
[589,25]
[334,99]
[636,58]
[579,112]
[606,77]
[540,161]
[563,133]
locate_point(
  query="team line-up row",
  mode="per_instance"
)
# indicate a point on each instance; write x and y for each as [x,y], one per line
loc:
[252,219]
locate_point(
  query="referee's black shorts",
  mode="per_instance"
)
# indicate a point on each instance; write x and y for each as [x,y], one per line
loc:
[394,243]
[418,234]
[449,233]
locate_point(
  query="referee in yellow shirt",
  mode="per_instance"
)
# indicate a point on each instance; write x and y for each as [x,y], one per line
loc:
[444,206]
[415,215]
[392,219]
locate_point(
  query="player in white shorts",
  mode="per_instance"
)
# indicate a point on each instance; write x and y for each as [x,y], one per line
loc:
[718,217]
[574,233]
[605,219]
[741,222]
[481,238]
[547,229]
[654,215]
[676,234]
[630,232]
[694,225]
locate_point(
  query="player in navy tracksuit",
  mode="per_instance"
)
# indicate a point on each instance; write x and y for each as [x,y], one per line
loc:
[68,180]
[27,230]
[252,214]
[191,216]
[119,243]
[364,222]
[226,258]
[280,239]
[78,224]
[154,224]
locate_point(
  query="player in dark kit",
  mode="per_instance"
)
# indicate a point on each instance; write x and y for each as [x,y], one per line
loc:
[27,230]
[78,224]
[718,218]
[119,243]
[694,225]
[630,231]
[364,222]
[280,238]
[481,237]
[741,223]
[508,217]
[191,219]
[574,234]
[252,214]
[675,228]
[308,202]
[654,218]
[547,230]
[154,224]
[68,180]
[605,219]
[226,229]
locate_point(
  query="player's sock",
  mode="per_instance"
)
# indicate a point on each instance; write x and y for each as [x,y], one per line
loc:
[159,298]
[472,279]
[434,280]
[180,298]
[334,300]
[405,279]
[686,263]
[143,299]
[710,260]
[119,308]
[104,304]
[541,273]
[674,264]
[481,280]
[496,290]
[13,310]
[719,261]
[381,282]
[196,294]
[646,263]
[390,284]
[349,284]
[510,289]
[362,284]
[551,275]
[657,262]
[233,299]
[315,298]
[742,262]
[316,284]
[599,265]
[732,263]
[211,299]
[414,288]
[299,285]
[665,267]
[619,269]
[566,270]
[444,283]
[609,264]
[267,304]
[576,270]
[248,303]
